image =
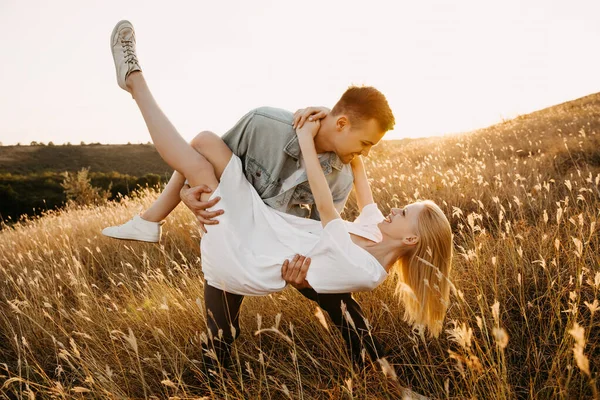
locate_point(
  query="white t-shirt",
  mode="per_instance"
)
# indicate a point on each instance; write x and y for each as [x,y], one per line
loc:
[243,254]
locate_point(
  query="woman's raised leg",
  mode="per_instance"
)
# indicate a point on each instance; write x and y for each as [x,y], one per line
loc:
[189,162]
[173,149]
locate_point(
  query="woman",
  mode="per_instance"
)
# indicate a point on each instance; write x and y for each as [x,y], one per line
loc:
[243,253]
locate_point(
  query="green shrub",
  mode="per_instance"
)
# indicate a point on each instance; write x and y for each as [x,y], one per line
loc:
[79,190]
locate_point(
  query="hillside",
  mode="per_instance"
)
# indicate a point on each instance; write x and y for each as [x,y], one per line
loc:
[134,160]
[30,176]
[545,127]
[541,132]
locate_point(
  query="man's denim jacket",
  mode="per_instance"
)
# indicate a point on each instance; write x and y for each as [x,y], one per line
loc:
[268,146]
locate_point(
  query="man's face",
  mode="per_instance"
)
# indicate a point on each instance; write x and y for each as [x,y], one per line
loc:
[356,139]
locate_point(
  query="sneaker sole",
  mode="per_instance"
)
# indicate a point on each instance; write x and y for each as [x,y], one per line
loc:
[130,237]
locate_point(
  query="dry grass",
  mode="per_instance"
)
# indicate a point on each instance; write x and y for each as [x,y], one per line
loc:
[85,316]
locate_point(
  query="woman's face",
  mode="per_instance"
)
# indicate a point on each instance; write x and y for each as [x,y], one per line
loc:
[402,223]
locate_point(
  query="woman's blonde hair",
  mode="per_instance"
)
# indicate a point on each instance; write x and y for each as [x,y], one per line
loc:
[423,285]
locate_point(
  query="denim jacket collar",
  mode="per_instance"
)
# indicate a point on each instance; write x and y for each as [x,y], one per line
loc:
[292,148]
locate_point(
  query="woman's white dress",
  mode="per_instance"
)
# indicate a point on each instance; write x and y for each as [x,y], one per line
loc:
[243,254]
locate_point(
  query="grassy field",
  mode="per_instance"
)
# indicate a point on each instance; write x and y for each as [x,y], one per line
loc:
[83,316]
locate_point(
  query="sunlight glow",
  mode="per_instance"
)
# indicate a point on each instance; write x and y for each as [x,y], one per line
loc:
[444,67]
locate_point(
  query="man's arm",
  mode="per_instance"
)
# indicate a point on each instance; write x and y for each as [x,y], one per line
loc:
[364,195]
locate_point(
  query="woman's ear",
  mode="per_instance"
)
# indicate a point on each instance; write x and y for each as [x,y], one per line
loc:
[410,240]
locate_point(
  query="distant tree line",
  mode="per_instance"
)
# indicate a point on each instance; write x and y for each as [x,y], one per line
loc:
[34,193]
[82,143]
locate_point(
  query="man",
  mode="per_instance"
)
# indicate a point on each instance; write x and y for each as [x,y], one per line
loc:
[266,142]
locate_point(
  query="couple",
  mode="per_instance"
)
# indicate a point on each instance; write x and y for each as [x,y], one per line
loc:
[269,172]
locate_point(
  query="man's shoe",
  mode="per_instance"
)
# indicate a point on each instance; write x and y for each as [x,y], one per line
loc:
[122,43]
[136,229]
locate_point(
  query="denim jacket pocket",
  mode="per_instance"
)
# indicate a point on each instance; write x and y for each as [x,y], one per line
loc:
[258,176]
[303,194]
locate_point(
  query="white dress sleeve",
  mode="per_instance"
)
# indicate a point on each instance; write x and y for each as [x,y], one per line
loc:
[343,266]
[366,224]
[337,233]
[369,215]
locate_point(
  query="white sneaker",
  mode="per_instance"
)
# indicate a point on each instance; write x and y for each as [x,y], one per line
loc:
[122,43]
[136,229]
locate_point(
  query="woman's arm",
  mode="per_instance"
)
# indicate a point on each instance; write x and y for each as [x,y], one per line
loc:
[364,196]
[316,177]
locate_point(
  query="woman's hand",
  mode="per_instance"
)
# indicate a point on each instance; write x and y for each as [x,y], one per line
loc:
[294,272]
[310,114]
[310,129]
[357,163]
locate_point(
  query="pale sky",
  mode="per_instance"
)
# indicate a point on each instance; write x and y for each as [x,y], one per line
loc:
[445,66]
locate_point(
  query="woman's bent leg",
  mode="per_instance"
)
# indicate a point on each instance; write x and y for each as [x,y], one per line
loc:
[214,150]
[174,150]
[166,201]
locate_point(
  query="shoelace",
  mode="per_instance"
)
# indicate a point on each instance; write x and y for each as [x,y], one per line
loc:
[130,57]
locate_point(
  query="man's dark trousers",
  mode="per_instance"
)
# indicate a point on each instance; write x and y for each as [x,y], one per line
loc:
[223,311]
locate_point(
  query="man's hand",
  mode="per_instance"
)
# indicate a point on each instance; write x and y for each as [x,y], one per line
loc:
[310,114]
[294,272]
[191,198]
